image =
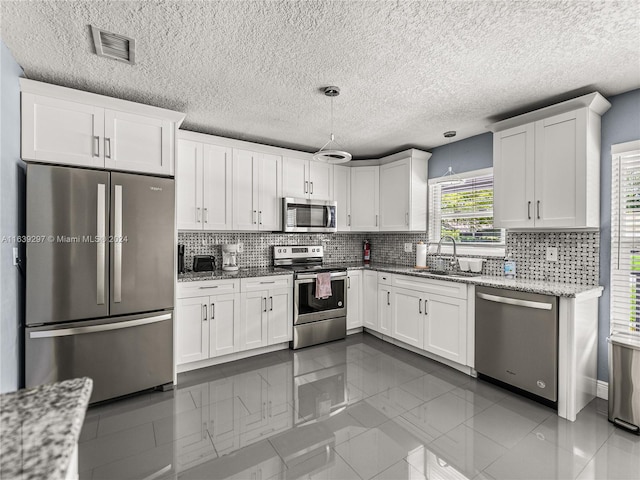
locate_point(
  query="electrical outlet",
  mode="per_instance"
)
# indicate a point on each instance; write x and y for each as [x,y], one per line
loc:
[552,254]
[408,247]
[240,247]
[16,257]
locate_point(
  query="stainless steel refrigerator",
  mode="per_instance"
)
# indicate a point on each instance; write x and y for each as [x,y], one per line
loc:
[100,276]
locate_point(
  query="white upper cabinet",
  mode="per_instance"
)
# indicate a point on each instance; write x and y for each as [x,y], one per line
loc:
[342,196]
[70,127]
[256,191]
[547,166]
[204,186]
[365,199]
[354,299]
[307,179]
[403,194]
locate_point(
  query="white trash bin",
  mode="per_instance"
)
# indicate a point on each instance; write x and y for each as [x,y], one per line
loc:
[624,381]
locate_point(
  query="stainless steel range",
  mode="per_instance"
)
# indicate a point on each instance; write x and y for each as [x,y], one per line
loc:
[316,318]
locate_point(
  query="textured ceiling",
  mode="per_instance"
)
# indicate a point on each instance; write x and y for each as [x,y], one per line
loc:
[408,70]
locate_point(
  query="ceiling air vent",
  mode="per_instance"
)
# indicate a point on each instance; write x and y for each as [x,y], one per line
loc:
[113,45]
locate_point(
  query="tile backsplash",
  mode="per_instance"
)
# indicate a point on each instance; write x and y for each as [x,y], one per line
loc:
[577,251]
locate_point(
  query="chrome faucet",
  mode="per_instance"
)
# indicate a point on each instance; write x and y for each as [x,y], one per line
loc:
[455,256]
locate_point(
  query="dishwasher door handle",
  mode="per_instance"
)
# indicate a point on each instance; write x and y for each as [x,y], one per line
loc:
[515,301]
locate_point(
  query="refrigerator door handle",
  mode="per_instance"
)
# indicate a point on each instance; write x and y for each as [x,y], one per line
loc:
[64,332]
[117,246]
[100,244]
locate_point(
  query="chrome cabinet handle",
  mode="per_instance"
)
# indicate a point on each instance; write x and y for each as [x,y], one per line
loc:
[311,189]
[206,215]
[376,220]
[348,282]
[420,306]
[264,283]
[204,317]
[254,216]
[117,246]
[260,217]
[96,146]
[271,304]
[306,187]
[100,244]
[388,294]
[425,307]
[538,209]
[213,311]
[407,218]
[107,147]
[349,220]
[529,210]
[264,301]
[198,214]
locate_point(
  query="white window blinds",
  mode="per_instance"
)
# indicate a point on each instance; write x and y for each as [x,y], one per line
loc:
[625,243]
[464,211]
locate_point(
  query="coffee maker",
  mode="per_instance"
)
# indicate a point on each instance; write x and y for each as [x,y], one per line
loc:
[230,257]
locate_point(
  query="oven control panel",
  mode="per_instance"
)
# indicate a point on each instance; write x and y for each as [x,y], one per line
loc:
[298,251]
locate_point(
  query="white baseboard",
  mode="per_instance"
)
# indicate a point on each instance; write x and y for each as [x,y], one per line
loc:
[602,389]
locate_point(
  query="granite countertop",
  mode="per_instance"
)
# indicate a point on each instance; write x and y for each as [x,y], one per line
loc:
[224,275]
[39,428]
[531,286]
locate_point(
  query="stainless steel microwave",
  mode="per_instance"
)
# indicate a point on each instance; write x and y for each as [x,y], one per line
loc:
[303,215]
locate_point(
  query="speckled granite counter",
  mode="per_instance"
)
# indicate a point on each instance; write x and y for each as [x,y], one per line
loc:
[39,429]
[532,286]
[223,275]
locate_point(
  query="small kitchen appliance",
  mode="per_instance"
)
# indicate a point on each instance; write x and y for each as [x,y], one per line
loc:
[181,259]
[301,215]
[230,257]
[315,320]
[204,263]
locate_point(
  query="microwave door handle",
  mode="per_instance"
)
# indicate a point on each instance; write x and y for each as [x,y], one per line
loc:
[328,216]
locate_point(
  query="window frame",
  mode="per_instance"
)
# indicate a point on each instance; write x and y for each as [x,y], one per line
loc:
[470,248]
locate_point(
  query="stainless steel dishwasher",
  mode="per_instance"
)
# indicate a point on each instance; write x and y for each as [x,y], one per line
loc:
[517,341]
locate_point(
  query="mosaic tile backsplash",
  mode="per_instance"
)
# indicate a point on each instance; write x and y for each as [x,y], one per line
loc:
[577,251]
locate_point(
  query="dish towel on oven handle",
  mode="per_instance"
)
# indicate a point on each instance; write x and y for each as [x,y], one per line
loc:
[323,285]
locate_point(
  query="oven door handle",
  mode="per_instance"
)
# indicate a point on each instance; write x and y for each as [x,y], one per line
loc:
[313,276]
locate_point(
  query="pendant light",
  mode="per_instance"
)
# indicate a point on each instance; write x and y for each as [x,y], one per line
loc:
[332,154]
[450,177]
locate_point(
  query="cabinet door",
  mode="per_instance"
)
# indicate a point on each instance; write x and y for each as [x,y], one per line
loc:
[408,317]
[189,185]
[395,183]
[354,300]
[370,299]
[561,176]
[320,181]
[270,203]
[364,199]
[341,194]
[192,329]
[253,320]
[137,143]
[295,178]
[446,327]
[245,190]
[280,316]
[384,309]
[217,191]
[513,177]
[224,312]
[60,131]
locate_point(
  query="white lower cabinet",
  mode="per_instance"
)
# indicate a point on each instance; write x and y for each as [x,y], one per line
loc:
[207,326]
[385,312]
[370,301]
[354,299]
[408,317]
[445,332]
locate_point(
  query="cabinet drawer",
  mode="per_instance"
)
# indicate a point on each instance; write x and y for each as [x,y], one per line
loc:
[266,283]
[207,287]
[428,285]
[384,278]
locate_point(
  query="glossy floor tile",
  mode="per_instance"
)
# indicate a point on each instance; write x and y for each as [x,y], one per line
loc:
[353,409]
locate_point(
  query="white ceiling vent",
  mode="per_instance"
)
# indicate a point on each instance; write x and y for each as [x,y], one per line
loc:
[113,45]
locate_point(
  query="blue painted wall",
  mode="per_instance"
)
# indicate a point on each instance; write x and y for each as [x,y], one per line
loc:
[472,153]
[619,125]
[12,208]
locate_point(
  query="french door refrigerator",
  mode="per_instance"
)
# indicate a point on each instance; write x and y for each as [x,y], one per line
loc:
[100,261]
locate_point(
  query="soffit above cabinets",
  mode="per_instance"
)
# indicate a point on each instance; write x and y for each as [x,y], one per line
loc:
[408,70]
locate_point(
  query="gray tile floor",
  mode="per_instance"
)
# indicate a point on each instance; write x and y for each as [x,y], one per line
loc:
[358,408]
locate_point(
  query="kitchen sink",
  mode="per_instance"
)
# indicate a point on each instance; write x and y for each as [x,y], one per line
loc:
[445,273]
